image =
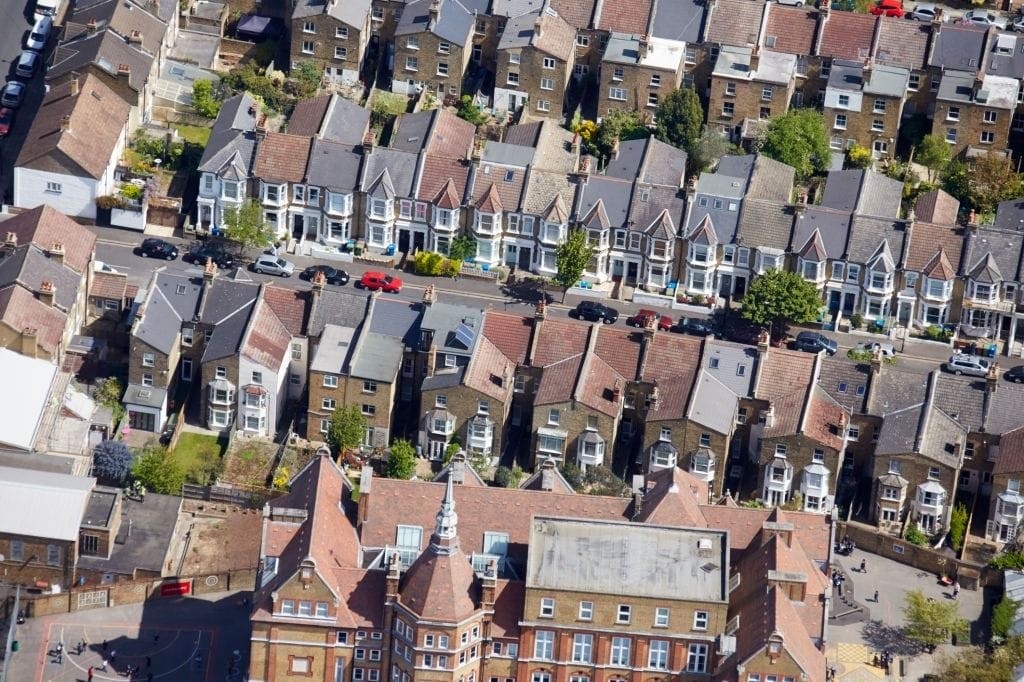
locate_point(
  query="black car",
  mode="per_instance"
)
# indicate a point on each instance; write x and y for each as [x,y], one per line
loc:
[215,252]
[1015,374]
[158,248]
[331,276]
[695,326]
[592,311]
[813,342]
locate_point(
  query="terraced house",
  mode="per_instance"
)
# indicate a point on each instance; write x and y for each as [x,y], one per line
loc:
[332,35]
[535,60]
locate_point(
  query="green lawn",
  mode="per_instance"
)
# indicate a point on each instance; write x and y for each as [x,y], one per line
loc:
[200,456]
[193,134]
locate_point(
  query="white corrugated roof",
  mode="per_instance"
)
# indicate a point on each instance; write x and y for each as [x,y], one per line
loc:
[40,504]
[23,399]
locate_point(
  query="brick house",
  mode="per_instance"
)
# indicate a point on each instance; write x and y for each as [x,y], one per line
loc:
[905,44]
[637,71]
[677,26]
[973,111]
[848,36]
[331,34]
[735,23]
[535,60]
[1006,508]
[990,307]
[865,104]
[748,85]
[225,168]
[932,286]
[792,30]
[433,45]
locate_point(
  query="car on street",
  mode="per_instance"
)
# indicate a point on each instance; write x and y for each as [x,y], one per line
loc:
[13,94]
[269,264]
[1015,374]
[983,17]
[39,34]
[888,350]
[644,316]
[739,330]
[925,11]
[971,365]
[593,311]
[815,342]
[211,251]
[1018,24]
[6,121]
[27,64]
[158,248]
[378,281]
[888,8]
[331,275]
[695,326]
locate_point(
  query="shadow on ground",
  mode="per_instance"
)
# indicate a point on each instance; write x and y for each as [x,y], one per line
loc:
[884,637]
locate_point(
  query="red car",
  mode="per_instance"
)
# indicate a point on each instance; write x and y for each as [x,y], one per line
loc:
[379,281]
[889,8]
[644,316]
[6,120]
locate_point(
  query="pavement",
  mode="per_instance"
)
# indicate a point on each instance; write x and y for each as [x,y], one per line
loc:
[852,646]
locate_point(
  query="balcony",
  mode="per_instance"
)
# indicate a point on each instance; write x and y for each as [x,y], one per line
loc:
[992,303]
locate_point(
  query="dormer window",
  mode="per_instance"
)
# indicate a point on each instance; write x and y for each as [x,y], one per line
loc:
[661,248]
[983,292]
[487,223]
[382,209]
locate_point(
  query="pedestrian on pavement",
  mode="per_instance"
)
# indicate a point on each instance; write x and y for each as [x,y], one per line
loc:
[876,596]
[113,655]
[90,673]
[103,665]
[956,589]
[104,645]
[863,566]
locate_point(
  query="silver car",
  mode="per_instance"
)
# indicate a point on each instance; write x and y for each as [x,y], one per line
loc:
[272,265]
[970,365]
[984,17]
[40,33]
[888,351]
[924,11]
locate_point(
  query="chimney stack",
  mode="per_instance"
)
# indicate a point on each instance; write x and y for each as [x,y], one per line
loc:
[547,475]
[615,148]
[431,367]
[764,340]
[47,292]
[972,219]
[575,146]
[11,240]
[755,60]
[429,296]
[319,279]
[435,14]
[135,38]
[92,26]
[651,326]
[368,141]
[209,272]
[645,46]
[584,166]
[29,342]
[57,252]
[876,362]
[537,28]
[992,378]
[617,393]
[74,86]
[824,6]
[124,71]
[65,123]
[541,313]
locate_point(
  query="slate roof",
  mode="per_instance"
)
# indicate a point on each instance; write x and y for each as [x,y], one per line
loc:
[623,16]
[228,307]
[1002,410]
[341,308]
[1003,246]
[845,381]
[902,43]
[105,50]
[556,38]
[45,226]
[444,318]
[898,433]
[400,167]
[127,19]
[718,197]
[866,234]
[765,224]
[926,240]
[770,179]
[281,157]
[680,20]
[232,139]
[958,46]
[1004,56]
[863,191]
[961,398]
[330,117]
[377,357]
[455,22]
[334,165]
[790,29]
[613,193]
[397,318]
[173,298]
[846,35]
[662,209]
[29,266]
[733,22]
[351,12]
[832,225]
[96,119]
[897,389]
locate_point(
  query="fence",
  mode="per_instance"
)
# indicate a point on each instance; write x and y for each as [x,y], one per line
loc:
[251,497]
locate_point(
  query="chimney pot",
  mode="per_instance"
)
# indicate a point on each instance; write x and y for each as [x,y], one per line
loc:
[47,292]
[74,86]
[11,240]
[65,122]
[57,252]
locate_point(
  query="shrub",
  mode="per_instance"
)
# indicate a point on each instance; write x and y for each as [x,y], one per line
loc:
[915,535]
[131,191]
[856,321]
[858,157]
[958,527]
[203,100]
[112,462]
[470,112]
[1009,561]
[1003,616]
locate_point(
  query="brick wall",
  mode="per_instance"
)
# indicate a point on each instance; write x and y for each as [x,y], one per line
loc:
[971,125]
[638,82]
[324,39]
[428,57]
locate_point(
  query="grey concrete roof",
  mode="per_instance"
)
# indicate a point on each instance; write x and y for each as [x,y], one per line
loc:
[842,189]
[723,212]
[232,135]
[445,318]
[38,461]
[614,193]
[542,187]
[889,81]
[345,121]
[846,75]
[663,164]
[734,365]
[553,151]
[227,308]
[454,24]
[679,20]
[942,438]
[736,166]
[397,318]
[1003,245]
[626,164]
[628,559]
[519,30]
[765,224]
[898,433]
[401,167]
[333,165]
[343,308]
[845,381]
[42,505]
[507,154]
[867,233]
[1004,411]
[958,46]
[444,378]
[772,67]
[107,51]
[145,396]
[172,299]
[351,12]
[1005,57]
[152,526]
[880,195]
[998,91]
[956,86]
[833,226]
[376,357]
[333,351]
[513,8]
[713,404]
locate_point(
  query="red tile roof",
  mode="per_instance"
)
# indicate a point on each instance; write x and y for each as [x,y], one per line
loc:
[624,16]
[734,22]
[490,202]
[490,372]
[620,348]
[1011,453]
[109,285]
[937,207]
[825,419]
[557,340]
[926,239]
[672,361]
[489,176]
[847,35]
[902,43]
[308,115]
[440,587]
[674,499]
[597,384]
[20,310]
[783,381]
[267,341]
[510,333]
[577,12]
[290,306]
[792,28]
[448,197]
[282,157]
[44,227]
[558,382]
[440,174]
[770,613]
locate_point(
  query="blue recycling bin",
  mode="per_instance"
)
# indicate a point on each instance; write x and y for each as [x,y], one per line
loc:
[991,350]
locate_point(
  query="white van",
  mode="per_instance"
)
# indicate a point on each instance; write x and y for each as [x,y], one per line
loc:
[47,8]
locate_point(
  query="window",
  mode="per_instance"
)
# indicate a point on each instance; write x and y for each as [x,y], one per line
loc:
[877,125]
[624,613]
[341,32]
[700,620]
[763,113]
[617,94]
[953,114]
[895,467]
[483,407]
[658,656]
[582,648]
[933,473]
[147,379]
[513,78]
[53,187]
[620,651]
[766,92]
[543,105]
[53,555]
[442,69]
[728,109]
[987,137]
[547,607]
[307,47]
[544,645]
[582,40]
[308,27]
[369,387]
[652,99]
[513,58]
[329,404]
[340,52]
[369,410]
[879,107]
[330,381]
[412,64]
[840,122]
[547,84]
[617,74]
[148,359]
[914,83]
[697,658]
[554,416]
[661,617]
[17,550]
[549,63]
[990,116]
[444,47]
[951,135]
[586,610]
[730,89]
[655,80]
[844,100]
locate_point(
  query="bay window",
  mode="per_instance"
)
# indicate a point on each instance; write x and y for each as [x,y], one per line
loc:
[553,233]
[487,223]
[339,203]
[937,288]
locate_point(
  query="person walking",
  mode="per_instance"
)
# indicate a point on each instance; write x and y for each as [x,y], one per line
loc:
[956,589]
[863,566]
[876,596]
[90,673]
[103,665]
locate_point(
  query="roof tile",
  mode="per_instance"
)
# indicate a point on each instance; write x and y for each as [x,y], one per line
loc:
[847,35]
[282,157]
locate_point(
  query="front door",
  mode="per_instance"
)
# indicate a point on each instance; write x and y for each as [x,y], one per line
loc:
[617,265]
[740,287]
[511,254]
[725,285]
[403,240]
[186,369]
[631,272]
[419,240]
[298,227]
[512,102]
[833,301]
[849,303]
[524,258]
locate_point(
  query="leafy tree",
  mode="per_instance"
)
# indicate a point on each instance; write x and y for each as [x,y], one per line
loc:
[387,105]
[992,179]
[462,248]
[306,79]
[346,428]
[858,157]
[601,480]
[618,125]
[798,138]
[679,117]
[958,527]
[710,147]
[250,78]
[780,296]
[933,153]
[158,470]
[571,259]
[468,111]
[451,450]
[203,100]
[506,477]
[1003,616]
[108,393]
[246,225]
[402,460]
[112,462]
[974,665]
[915,536]
[929,621]
[573,475]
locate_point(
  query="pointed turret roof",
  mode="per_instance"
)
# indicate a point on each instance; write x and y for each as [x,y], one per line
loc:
[448,197]
[814,248]
[662,227]
[986,271]
[490,202]
[555,212]
[382,187]
[881,260]
[939,267]
[597,217]
[704,233]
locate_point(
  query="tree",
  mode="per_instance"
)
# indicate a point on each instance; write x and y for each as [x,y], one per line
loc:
[930,622]
[573,475]
[108,393]
[462,247]
[112,462]
[346,430]
[992,179]
[402,460]
[780,296]
[958,527]
[679,117]
[571,259]
[1003,616]
[601,480]
[306,79]
[711,146]
[387,105]
[203,100]
[468,111]
[974,665]
[618,125]
[158,470]
[246,225]
[933,153]
[858,157]
[505,477]
[798,138]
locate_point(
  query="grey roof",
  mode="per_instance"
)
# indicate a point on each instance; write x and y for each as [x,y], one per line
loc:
[397,318]
[898,433]
[542,187]
[956,86]
[552,147]
[107,51]
[626,164]
[152,524]
[765,224]
[845,381]
[736,166]
[842,189]
[29,266]
[376,357]
[519,30]
[401,167]
[663,164]
[342,308]
[644,212]
[146,396]
[772,67]
[729,358]
[880,195]
[770,179]
[895,390]
[888,81]
[942,439]
[615,195]
[678,20]
[227,307]
[507,154]
[351,12]
[455,22]
[833,226]
[411,131]
[1010,215]
[444,378]
[627,559]
[1003,245]
[333,351]
[1004,412]
[723,213]
[713,404]
[443,319]
[172,298]
[42,505]
[38,461]
[961,398]
[513,8]
[846,75]
[232,136]
[345,121]
[1005,56]
[866,234]
[334,166]
[958,46]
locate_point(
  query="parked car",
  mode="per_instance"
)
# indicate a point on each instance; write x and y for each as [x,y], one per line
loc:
[815,342]
[970,365]
[269,264]
[1015,374]
[888,8]
[158,248]
[888,350]
[644,316]
[331,276]
[925,11]
[39,34]
[27,64]
[211,251]
[983,17]
[695,326]
[379,281]
[739,330]
[13,94]
[592,311]
[1018,24]
[6,120]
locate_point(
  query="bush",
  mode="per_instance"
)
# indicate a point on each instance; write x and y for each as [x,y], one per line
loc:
[470,112]
[157,469]
[131,191]
[1003,616]
[112,462]
[858,157]
[936,333]
[1009,561]
[856,321]
[401,461]
[431,264]
[915,535]
[958,527]
[203,100]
